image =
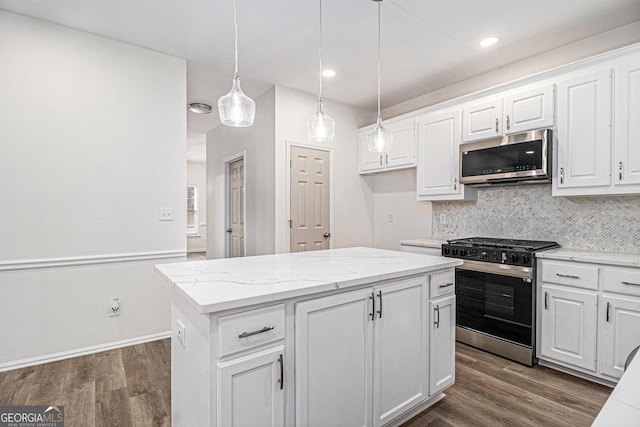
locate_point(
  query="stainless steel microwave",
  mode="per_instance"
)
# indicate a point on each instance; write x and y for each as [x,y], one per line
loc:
[523,158]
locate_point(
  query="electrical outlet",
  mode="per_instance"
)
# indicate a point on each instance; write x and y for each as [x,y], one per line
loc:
[166,214]
[443,219]
[114,307]
[390,218]
[181,332]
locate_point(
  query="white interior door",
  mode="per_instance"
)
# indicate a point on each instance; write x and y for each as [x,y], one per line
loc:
[310,199]
[235,226]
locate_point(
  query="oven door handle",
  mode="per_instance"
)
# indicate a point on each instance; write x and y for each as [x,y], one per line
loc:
[500,269]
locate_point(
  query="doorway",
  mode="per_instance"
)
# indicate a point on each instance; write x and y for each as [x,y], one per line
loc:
[235,200]
[310,199]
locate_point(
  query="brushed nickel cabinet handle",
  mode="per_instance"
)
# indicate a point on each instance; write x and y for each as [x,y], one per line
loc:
[455,183]
[546,301]
[380,159]
[386,158]
[380,309]
[508,124]
[630,283]
[259,331]
[620,171]
[281,380]
[608,316]
[496,125]
[561,175]
[437,321]
[373,306]
[568,276]
[445,286]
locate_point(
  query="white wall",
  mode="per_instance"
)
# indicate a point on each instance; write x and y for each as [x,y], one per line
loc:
[395,195]
[353,199]
[257,141]
[92,144]
[197,174]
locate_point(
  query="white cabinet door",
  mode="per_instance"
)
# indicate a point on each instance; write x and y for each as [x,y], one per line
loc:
[369,162]
[403,150]
[333,355]
[400,348]
[482,120]
[627,124]
[442,357]
[530,109]
[583,132]
[569,318]
[438,157]
[250,390]
[619,332]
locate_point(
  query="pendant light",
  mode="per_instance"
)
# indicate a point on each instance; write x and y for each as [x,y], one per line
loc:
[236,109]
[320,128]
[379,140]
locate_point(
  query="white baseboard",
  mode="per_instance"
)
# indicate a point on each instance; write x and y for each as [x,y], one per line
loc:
[54,357]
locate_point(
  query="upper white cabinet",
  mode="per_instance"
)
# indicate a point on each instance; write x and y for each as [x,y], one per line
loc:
[512,112]
[403,151]
[482,120]
[438,157]
[584,131]
[627,124]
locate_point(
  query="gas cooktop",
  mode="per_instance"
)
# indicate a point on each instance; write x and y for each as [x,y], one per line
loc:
[530,245]
[502,251]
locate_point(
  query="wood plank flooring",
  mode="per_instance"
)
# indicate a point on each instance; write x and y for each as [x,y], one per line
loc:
[131,386]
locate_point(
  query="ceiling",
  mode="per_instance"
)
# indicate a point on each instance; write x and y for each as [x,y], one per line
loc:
[426,44]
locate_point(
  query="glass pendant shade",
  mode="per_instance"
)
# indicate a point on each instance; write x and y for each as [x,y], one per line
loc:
[379,140]
[236,109]
[320,128]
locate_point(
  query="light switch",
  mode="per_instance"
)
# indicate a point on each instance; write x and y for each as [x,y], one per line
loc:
[166,214]
[443,219]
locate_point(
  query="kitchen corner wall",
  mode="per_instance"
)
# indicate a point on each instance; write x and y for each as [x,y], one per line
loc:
[197,174]
[610,223]
[92,145]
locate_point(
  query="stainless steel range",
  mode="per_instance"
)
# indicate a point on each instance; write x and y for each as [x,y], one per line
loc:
[496,294]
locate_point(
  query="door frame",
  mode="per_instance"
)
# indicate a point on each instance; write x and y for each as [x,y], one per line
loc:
[227,162]
[287,193]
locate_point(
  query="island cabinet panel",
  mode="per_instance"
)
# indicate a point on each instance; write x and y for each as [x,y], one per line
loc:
[442,341]
[251,390]
[400,348]
[619,333]
[334,360]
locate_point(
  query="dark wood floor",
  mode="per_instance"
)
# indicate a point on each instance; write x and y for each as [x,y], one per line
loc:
[131,387]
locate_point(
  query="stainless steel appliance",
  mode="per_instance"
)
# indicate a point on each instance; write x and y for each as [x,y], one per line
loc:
[496,294]
[514,159]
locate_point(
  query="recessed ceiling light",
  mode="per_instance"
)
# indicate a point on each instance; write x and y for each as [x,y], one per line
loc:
[328,73]
[489,41]
[199,108]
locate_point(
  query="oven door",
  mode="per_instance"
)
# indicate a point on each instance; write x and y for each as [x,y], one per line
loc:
[496,300]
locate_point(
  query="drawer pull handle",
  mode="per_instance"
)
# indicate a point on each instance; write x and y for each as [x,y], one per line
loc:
[568,276]
[445,286]
[631,283]
[259,331]
[380,309]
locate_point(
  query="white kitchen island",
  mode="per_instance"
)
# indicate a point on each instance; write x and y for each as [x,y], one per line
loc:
[343,337]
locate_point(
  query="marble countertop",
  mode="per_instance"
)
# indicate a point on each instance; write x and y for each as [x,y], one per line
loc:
[426,243]
[624,259]
[222,284]
[622,409]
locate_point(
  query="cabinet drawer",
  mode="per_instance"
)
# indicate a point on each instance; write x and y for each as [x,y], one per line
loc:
[564,273]
[621,280]
[442,284]
[250,329]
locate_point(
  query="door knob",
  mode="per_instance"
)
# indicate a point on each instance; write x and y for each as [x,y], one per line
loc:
[327,235]
[229,230]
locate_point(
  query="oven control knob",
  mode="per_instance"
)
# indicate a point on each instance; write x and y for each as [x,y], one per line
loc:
[514,257]
[526,259]
[447,251]
[454,251]
[463,252]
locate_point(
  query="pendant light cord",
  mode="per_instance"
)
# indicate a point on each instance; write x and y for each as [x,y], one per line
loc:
[379,1]
[235,23]
[320,54]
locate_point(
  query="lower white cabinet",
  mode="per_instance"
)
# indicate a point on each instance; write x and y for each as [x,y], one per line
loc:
[361,357]
[442,341]
[619,332]
[251,389]
[569,319]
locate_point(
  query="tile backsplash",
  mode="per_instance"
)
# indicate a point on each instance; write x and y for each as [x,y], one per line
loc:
[608,223]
